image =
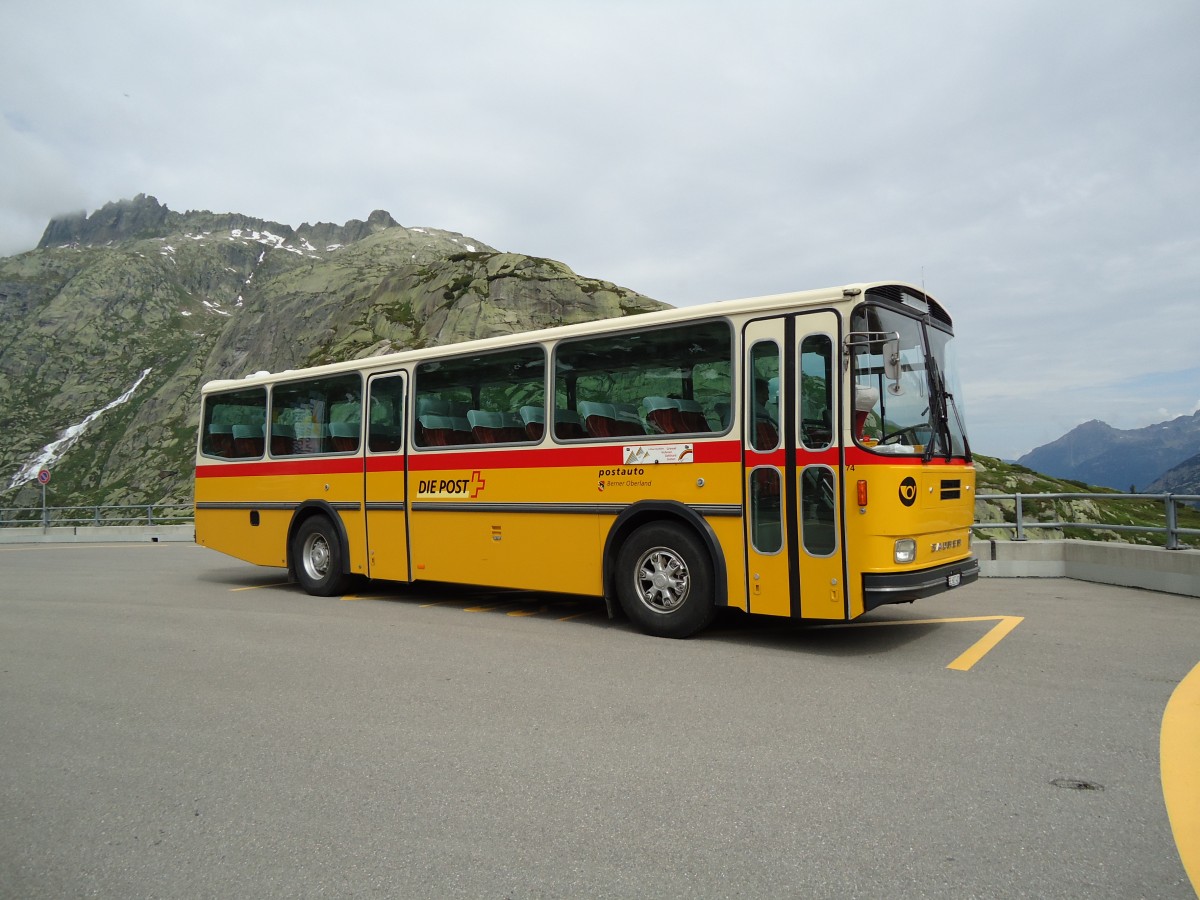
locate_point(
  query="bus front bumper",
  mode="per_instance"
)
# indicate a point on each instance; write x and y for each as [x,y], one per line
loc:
[879,589]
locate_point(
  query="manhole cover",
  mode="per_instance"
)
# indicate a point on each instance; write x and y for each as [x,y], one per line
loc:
[1077,784]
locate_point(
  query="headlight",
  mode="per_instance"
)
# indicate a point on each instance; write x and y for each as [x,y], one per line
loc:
[906,550]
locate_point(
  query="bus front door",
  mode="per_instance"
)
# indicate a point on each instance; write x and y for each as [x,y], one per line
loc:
[385,480]
[792,467]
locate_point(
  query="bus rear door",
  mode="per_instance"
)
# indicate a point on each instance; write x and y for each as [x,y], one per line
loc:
[385,479]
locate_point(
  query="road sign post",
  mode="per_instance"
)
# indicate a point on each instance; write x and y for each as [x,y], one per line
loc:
[43,480]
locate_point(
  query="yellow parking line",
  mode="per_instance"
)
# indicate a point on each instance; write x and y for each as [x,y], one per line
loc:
[1178,750]
[979,649]
[973,654]
[255,587]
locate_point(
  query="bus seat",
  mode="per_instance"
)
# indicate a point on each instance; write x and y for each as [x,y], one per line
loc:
[534,419]
[485,425]
[462,429]
[629,422]
[766,437]
[663,415]
[600,419]
[489,427]
[568,426]
[692,414]
[247,440]
[444,431]
[513,427]
[282,436]
[344,436]
[220,439]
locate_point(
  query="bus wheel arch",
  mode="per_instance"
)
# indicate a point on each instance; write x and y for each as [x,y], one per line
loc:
[317,550]
[664,537]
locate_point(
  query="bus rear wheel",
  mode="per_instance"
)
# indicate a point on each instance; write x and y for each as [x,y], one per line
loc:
[317,558]
[665,581]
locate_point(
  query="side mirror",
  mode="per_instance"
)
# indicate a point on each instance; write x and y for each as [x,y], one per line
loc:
[891,359]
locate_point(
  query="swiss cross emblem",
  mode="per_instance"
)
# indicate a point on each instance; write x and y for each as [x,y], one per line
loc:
[477,484]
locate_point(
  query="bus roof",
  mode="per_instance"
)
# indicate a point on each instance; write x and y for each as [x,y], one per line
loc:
[747,305]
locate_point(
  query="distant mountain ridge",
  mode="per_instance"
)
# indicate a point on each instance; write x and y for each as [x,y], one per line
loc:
[144,217]
[138,299]
[1181,479]
[1097,453]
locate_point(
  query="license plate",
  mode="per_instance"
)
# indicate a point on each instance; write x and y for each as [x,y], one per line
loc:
[953,581]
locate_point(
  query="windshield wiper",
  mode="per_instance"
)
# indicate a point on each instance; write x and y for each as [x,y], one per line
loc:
[937,403]
[962,429]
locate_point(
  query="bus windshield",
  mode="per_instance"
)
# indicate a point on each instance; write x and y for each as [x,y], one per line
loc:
[906,393]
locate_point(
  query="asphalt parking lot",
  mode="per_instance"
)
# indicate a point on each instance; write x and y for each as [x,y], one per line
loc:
[174,723]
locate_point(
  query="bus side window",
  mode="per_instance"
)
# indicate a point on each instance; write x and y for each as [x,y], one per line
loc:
[316,416]
[818,510]
[644,384]
[385,429]
[816,391]
[232,424]
[481,399]
[762,416]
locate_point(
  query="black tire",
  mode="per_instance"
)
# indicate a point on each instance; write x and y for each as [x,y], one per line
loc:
[317,558]
[665,581]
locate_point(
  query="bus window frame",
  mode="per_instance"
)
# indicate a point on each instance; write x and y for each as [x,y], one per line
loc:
[831,392]
[834,506]
[404,377]
[207,403]
[320,454]
[571,391]
[413,422]
[753,508]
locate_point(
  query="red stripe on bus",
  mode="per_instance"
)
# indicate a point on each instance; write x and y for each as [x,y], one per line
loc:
[528,458]
[342,465]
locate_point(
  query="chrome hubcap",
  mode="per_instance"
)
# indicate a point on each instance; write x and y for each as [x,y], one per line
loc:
[662,580]
[316,556]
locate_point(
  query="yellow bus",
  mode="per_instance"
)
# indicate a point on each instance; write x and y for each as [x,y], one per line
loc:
[799,455]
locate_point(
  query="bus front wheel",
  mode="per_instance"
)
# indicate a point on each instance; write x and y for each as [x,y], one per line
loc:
[665,581]
[317,558]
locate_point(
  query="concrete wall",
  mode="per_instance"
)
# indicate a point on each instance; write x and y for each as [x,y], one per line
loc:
[80,534]
[1128,565]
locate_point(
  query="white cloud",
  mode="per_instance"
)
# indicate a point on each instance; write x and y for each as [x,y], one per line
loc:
[1034,162]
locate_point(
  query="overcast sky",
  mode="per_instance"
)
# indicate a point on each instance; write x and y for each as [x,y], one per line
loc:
[1035,164]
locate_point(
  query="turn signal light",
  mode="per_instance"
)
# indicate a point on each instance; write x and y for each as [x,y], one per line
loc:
[862,493]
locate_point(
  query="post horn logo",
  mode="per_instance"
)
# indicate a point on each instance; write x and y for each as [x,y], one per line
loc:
[908,491]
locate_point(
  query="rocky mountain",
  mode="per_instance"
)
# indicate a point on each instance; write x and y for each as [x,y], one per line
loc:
[1181,479]
[1097,453]
[110,326]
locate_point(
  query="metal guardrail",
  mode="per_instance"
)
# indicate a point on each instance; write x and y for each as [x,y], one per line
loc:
[133,514]
[181,513]
[1171,503]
